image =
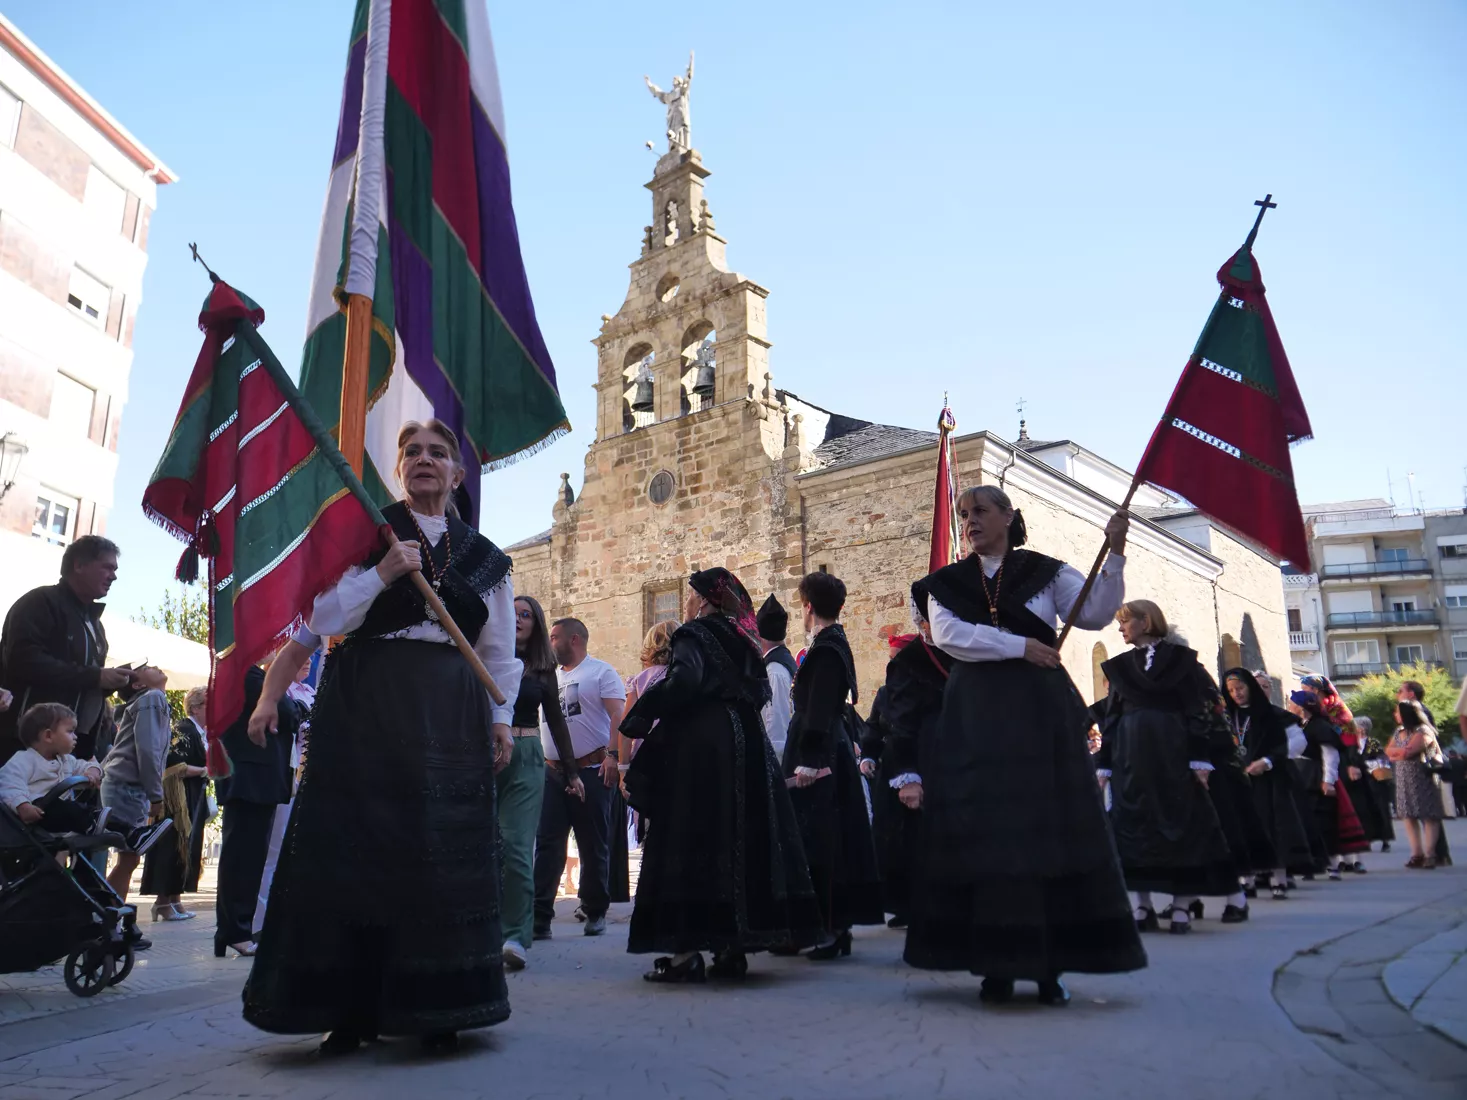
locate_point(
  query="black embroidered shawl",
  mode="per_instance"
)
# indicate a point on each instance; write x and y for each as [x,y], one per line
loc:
[960,588]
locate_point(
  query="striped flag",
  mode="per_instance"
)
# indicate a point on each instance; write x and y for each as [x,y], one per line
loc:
[946,537]
[418,217]
[1224,440]
[251,480]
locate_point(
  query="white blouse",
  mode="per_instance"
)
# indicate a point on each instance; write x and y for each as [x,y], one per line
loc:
[343,607]
[975,642]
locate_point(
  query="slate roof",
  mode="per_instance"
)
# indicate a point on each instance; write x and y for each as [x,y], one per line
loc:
[868,442]
[533,540]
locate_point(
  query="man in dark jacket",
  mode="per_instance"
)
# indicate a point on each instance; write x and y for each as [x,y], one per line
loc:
[53,648]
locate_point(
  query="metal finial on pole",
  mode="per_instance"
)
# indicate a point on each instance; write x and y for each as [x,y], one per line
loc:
[1264,206]
[194,248]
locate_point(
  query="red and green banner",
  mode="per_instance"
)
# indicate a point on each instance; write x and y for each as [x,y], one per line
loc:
[419,218]
[251,480]
[945,534]
[1224,441]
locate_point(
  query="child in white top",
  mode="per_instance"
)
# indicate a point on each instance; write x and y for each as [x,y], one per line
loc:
[48,730]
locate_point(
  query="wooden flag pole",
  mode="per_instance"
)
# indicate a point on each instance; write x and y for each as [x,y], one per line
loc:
[1094,572]
[353,436]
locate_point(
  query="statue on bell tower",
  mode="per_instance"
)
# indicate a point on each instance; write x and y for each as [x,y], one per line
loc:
[679,110]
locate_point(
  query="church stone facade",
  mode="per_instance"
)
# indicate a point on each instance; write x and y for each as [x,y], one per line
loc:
[699,461]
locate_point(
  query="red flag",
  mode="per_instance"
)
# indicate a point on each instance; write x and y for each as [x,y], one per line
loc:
[1223,442]
[944,498]
[251,480]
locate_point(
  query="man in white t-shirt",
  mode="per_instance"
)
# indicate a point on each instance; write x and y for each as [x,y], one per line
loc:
[592,698]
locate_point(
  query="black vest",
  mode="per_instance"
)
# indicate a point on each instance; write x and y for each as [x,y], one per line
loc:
[960,588]
[780,655]
[476,569]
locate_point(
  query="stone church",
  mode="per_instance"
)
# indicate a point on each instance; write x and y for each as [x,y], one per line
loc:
[700,460]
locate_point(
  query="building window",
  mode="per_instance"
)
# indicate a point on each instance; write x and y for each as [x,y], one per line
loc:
[1455,596]
[659,490]
[1365,652]
[1296,620]
[104,201]
[71,406]
[1459,646]
[1404,605]
[55,517]
[1394,553]
[1409,654]
[9,116]
[1454,550]
[89,296]
[664,604]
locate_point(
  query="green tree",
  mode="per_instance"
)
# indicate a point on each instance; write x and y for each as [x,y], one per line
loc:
[184,613]
[1375,697]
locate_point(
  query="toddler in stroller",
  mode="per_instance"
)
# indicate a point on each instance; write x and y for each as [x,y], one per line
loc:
[54,904]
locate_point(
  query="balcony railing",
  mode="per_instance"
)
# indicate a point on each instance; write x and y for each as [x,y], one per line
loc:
[1382,618]
[1355,671]
[1375,568]
[1303,639]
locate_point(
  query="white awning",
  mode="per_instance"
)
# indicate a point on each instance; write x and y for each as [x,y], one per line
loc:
[1451,540]
[185,662]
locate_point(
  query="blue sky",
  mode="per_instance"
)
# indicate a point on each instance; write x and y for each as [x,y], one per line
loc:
[996,200]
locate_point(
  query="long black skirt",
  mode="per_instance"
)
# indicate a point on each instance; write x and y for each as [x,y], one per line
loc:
[723,868]
[1362,798]
[1304,790]
[1166,827]
[896,831]
[1018,876]
[836,831]
[384,911]
[1276,797]
[168,868]
[1248,842]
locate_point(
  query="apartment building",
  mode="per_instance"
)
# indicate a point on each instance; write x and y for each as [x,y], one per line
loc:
[1446,544]
[1379,587]
[77,193]
[1304,607]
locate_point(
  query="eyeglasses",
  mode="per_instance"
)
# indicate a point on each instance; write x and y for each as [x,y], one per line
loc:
[524,616]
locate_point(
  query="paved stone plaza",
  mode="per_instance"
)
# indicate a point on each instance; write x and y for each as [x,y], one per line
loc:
[1350,989]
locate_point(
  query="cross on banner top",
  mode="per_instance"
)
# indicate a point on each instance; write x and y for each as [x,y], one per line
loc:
[1264,206]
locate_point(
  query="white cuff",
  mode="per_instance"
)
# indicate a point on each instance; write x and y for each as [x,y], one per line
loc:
[812,773]
[1103,773]
[906,779]
[1199,766]
[1267,763]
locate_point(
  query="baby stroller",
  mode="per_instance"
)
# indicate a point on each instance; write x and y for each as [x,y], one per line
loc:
[52,909]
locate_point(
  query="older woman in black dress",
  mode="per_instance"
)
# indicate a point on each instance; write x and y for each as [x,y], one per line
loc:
[1019,878]
[722,866]
[385,909]
[171,869]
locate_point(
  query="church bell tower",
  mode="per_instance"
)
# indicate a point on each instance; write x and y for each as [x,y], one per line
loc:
[690,335]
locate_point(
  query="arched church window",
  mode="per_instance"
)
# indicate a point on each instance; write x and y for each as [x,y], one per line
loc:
[667,287]
[638,405]
[700,367]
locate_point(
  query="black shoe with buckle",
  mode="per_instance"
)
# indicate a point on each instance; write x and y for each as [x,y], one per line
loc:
[1147,923]
[665,972]
[1232,914]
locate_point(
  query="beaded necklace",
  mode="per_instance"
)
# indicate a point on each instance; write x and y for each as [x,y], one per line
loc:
[435,575]
[992,597]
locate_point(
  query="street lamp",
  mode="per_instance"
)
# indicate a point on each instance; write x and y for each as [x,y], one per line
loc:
[13,450]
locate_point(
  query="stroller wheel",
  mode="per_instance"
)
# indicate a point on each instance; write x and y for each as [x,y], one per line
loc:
[123,964]
[89,969]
